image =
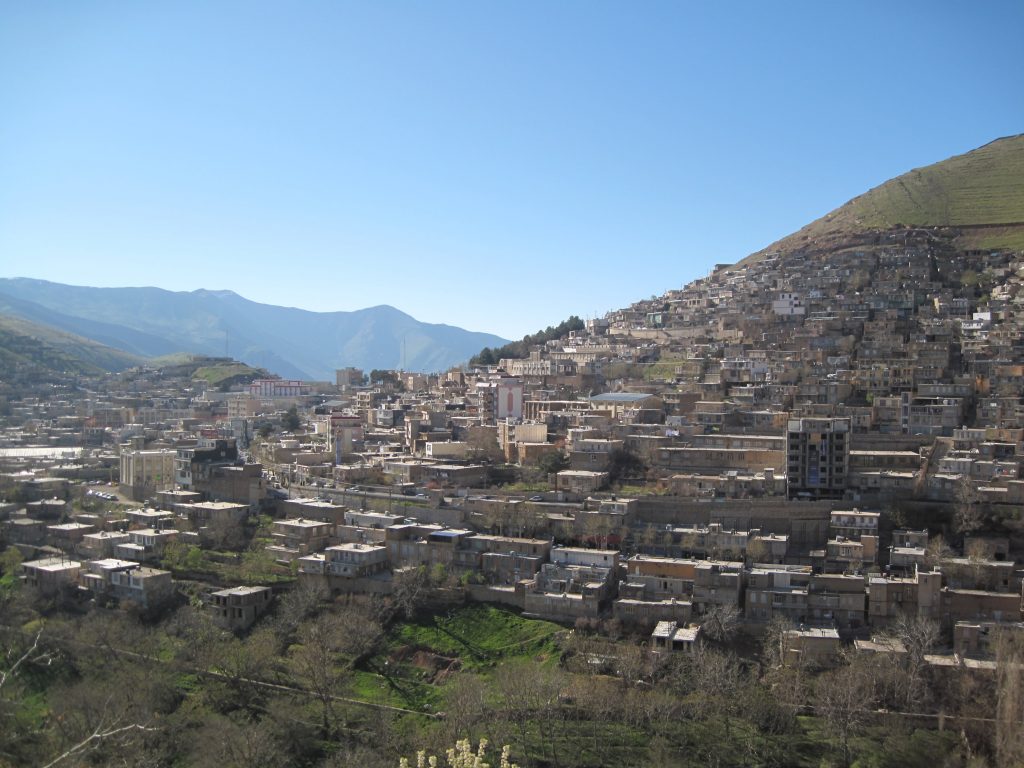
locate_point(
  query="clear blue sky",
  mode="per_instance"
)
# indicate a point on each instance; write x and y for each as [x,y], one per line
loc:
[497,166]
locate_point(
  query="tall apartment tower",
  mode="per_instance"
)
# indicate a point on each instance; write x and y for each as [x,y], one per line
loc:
[817,458]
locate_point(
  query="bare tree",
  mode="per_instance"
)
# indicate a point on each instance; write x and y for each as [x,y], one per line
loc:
[360,631]
[648,538]
[718,677]
[773,643]
[756,550]
[225,534]
[841,698]
[967,506]
[720,622]
[317,664]
[938,552]
[530,695]
[102,714]
[242,665]
[410,587]
[299,604]
[631,664]
[197,634]
[918,636]
[236,740]
[466,705]
[1009,736]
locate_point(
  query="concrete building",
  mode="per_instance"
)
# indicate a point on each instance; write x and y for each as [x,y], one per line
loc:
[50,574]
[817,457]
[143,586]
[279,388]
[144,473]
[239,607]
[296,538]
[813,646]
[917,595]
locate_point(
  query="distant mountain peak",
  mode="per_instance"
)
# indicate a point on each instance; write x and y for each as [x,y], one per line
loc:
[221,294]
[294,343]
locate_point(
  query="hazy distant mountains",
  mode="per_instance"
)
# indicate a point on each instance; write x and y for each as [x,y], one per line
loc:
[32,353]
[293,343]
[974,201]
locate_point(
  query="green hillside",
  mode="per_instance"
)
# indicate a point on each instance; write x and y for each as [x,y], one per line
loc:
[228,374]
[217,371]
[980,192]
[27,346]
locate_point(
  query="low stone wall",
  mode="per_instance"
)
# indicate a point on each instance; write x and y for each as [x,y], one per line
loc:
[481,593]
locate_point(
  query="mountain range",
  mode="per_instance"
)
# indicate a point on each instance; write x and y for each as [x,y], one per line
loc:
[294,343]
[974,201]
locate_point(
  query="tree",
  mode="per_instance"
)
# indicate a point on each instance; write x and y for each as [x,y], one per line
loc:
[938,552]
[918,635]
[530,696]
[292,420]
[967,506]
[482,444]
[773,644]
[317,664]
[298,605]
[631,664]
[360,632]
[103,714]
[10,561]
[553,463]
[521,348]
[1009,736]
[465,704]
[258,565]
[597,700]
[842,697]
[196,633]
[241,665]
[720,622]
[410,586]
[718,677]
[386,378]
[225,534]
[757,550]
[242,741]
[648,538]
[623,465]
[21,652]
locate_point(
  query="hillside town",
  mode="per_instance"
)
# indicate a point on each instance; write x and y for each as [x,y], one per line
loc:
[833,443]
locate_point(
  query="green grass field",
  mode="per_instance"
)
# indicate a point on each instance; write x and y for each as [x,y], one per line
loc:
[480,636]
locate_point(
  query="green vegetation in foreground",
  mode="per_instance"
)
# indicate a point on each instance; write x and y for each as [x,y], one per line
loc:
[480,636]
[475,671]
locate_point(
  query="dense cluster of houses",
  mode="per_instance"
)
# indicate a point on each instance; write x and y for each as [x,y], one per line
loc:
[772,425]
